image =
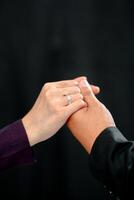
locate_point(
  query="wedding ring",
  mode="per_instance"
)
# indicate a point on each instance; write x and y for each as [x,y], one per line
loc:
[69,99]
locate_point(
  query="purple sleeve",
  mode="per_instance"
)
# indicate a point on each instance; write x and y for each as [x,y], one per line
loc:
[14,146]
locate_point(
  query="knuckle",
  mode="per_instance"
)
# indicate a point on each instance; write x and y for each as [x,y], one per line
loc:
[77,97]
[46,86]
[50,97]
[80,101]
[77,89]
[48,94]
[73,83]
[80,96]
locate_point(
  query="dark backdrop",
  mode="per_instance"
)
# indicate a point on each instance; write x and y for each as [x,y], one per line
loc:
[48,40]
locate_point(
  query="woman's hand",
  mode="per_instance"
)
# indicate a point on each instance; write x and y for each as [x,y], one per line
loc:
[51,110]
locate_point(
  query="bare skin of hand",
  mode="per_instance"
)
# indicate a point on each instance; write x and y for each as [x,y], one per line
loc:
[51,110]
[88,123]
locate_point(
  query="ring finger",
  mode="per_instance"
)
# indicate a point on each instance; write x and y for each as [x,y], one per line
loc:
[68,99]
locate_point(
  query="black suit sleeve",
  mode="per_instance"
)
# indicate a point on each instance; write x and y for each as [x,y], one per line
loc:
[112,162]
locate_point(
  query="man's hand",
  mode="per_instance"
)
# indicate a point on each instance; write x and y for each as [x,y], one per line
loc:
[87,123]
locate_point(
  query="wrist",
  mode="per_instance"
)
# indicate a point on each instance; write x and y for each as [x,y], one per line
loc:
[31,130]
[98,133]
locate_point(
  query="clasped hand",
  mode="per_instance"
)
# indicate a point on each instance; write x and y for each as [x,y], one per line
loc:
[72,102]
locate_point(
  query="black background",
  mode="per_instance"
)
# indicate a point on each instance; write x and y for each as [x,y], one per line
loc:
[47,40]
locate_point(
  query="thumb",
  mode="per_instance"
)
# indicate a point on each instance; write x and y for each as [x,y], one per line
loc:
[86,91]
[95,89]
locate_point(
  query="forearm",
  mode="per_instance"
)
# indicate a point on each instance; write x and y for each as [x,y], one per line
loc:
[14,146]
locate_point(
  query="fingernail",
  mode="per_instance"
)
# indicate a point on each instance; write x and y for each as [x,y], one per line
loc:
[84,83]
[96,87]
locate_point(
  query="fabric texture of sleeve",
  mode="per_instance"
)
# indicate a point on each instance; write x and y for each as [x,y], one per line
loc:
[112,162]
[14,146]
